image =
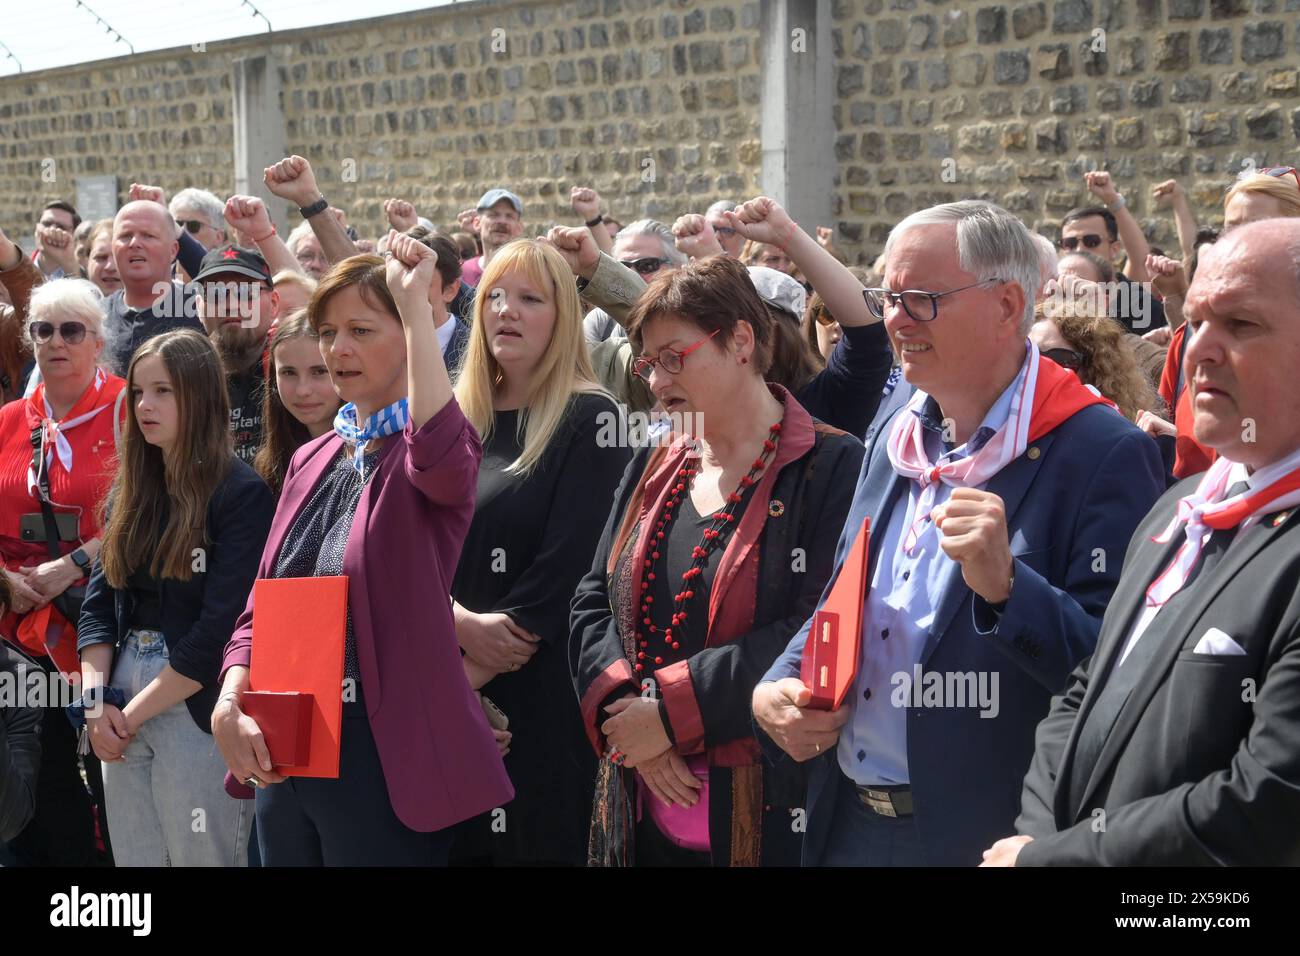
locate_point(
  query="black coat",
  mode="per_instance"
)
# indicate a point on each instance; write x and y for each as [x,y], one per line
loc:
[198,615]
[20,750]
[1202,764]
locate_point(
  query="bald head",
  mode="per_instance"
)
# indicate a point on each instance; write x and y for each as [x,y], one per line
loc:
[1243,314]
[144,246]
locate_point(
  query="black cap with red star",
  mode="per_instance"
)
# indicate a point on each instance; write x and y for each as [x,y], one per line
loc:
[233,260]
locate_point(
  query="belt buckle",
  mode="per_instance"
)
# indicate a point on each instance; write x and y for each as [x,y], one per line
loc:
[879,801]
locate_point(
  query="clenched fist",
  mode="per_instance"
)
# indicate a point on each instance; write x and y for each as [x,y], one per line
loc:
[972,527]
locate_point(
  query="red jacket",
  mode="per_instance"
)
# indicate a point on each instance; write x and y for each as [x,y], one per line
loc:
[1191,457]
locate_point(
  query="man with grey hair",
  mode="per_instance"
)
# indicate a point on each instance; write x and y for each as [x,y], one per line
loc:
[648,248]
[730,240]
[201,214]
[999,500]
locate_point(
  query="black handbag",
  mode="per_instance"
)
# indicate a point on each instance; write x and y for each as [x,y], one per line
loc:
[69,602]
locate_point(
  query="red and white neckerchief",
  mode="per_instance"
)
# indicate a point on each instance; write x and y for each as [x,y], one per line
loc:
[1044,397]
[54,441]
[1206,509]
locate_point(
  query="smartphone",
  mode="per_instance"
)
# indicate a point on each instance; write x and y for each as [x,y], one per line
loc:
[31,527]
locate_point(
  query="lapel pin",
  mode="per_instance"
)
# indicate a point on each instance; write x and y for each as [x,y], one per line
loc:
[776,507]
[1280,517]
[1033,453]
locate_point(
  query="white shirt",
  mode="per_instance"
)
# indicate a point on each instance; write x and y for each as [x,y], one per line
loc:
[445,332]
[1238,472]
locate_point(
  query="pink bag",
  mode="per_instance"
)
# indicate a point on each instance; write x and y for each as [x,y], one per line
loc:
[687,827]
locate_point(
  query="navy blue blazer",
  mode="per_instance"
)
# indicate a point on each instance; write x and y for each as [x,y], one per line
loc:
[198,615]
[1072,502]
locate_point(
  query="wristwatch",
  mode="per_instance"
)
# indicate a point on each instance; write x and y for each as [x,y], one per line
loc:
[1119,203]
[81,560]
[595,222]
[315,209]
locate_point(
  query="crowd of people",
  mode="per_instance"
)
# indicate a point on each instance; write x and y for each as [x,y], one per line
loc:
[573,642]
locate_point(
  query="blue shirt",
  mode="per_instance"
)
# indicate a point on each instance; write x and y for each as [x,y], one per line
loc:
[905,594]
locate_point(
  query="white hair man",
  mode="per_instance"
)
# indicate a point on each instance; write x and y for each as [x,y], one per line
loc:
[648,248]
[1000,497]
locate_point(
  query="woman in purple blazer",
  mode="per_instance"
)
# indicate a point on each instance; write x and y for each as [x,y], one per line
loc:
[400,468]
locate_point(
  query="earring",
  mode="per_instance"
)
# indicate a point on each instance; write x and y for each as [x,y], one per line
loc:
[744,361]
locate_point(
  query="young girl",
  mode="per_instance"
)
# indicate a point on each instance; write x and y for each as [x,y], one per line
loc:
[185,524]
[300,404]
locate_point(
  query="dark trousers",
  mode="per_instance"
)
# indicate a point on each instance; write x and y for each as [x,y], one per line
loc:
[345,822]
[62,831]
[861,837]
[655,849]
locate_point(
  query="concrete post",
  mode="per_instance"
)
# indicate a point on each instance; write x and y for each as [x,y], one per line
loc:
[798,128]
[259,128]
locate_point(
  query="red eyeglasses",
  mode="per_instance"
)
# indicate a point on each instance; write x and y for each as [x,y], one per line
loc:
[670,359]
[1280,171]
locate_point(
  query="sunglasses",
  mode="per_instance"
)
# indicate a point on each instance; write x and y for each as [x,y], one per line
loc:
[192,226]
[647,266]
[670,360]
[922,306]
[1066,358]
[1090,241]
[822,317]
[71,332]
[1280,171]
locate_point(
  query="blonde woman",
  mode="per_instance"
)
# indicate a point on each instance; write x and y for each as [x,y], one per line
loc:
[544,491]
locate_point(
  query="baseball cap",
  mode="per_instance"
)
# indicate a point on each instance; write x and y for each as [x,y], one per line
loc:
[226,260]
[494,196]
[779,291]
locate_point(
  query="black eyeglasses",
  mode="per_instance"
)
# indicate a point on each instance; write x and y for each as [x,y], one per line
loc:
[192,226]
[670,360]
[647,266]
[1090,241]
[71,332]
[922,306]
[1066,358]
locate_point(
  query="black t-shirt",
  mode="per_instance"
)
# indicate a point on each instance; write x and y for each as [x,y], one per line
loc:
[1135,307]
[245,391]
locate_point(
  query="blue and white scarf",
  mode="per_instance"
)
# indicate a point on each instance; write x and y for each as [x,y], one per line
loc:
[385,422]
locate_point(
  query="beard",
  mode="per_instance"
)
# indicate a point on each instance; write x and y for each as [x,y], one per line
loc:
[240,348]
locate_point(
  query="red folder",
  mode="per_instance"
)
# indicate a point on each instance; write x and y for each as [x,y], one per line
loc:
[285,720]
[299,629]
[832,654]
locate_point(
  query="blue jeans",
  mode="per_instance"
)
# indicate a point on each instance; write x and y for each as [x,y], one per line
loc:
[166,800]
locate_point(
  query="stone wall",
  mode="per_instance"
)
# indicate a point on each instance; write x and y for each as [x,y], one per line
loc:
[653,102]
[1015,101]
[657,103]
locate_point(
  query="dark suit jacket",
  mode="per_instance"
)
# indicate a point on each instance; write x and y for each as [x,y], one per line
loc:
[1082,487]
[198,615]
[1203,764]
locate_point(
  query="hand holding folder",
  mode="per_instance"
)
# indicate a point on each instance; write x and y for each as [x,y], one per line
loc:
[832,655]
[295,682]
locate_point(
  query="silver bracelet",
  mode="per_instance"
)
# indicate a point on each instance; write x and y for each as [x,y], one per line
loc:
[1119,203]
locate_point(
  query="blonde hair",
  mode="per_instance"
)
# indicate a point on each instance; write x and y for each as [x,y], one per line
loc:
[1285,189]
[293,277]
[563,370]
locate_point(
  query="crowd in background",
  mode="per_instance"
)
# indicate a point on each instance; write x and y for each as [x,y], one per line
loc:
[567,648]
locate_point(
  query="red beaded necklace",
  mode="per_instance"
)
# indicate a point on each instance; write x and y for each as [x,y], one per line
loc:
[713,539]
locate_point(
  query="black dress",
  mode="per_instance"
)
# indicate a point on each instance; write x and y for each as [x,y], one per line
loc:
[531,541]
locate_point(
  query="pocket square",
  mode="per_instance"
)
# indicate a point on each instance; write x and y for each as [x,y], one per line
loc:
[1214,641]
